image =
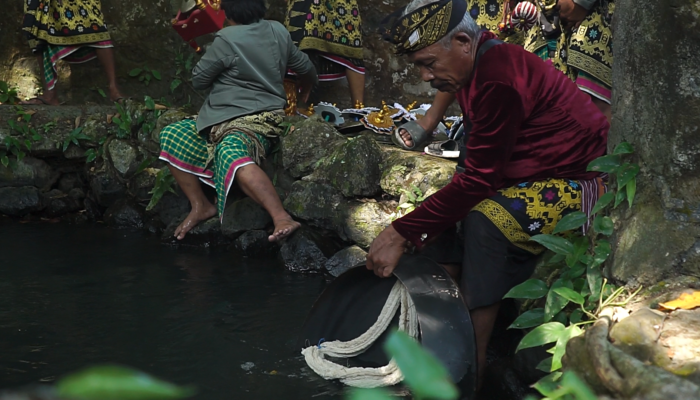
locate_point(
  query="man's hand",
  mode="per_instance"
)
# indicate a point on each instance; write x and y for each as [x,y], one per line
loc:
[571,14]
[385,252]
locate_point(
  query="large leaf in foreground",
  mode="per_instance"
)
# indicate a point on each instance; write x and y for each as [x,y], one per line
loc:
[543,334]
[530,289]
[113,382]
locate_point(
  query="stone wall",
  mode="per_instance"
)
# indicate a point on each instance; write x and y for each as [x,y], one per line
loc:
[656,108]
[143,37]
[84,166]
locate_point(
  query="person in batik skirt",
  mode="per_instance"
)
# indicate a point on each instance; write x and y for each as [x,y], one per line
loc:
[330,32]
[70,30]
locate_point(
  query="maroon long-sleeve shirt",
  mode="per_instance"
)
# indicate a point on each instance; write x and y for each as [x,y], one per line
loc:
[530,122]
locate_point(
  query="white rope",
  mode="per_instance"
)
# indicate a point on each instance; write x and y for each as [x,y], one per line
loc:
[387,375]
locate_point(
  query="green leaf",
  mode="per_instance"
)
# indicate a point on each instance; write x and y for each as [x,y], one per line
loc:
[603,225]
[608,164]
[369,394]
[156,74]
[543,334]
[4,97]
[3,86]
[174,85]
[631,191]
[569,294]
[150,104]
[66,143]
[619,198]
[164,182]
[91,155]
[576,316]
[112,382]
[557,244]
[528,319]
[571,221]
[545,365]
[101,92]
[601,252]
[628,173]
[561,317]
[581,245]
[530,289]
[549,384]
[560,348]
[573,272]
[555,302]
[603,202]
[135,72]
[577,387]
[28,144]
[595,280]
[623,148]
[4,160]
[422,372]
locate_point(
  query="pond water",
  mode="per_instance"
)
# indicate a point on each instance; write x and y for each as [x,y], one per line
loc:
[73,296]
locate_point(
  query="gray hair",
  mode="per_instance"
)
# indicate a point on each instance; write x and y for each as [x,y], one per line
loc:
[467,25]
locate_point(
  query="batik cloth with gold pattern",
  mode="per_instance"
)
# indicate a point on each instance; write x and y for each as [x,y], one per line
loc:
[422,27]
[531,208]
[488,14]
[584,54]
[330,31]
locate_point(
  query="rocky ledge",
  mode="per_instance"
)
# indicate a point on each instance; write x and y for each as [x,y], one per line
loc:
[84,164]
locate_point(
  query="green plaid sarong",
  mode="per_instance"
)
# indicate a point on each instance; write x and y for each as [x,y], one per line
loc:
[183,147]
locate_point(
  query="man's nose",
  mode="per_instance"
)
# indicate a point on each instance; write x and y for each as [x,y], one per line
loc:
[426,75]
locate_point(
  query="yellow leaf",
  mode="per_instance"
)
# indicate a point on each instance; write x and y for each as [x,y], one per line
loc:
[686,301]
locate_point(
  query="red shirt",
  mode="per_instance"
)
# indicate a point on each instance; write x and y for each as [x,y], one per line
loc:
[530,123]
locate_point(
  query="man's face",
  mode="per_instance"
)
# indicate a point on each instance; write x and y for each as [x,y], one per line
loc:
[447,70]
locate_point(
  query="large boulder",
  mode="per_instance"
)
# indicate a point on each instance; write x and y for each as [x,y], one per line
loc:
[307,251]
[361,221]
[29,172]
[354,168]
[124,213]
[205,234]
[171,207]
[167,118]
[106,188]
[252,243]
[316,203]
[59,203]
[309,141]
[124,157]
[244,215]
[20,201]
[345,259]
[403,169]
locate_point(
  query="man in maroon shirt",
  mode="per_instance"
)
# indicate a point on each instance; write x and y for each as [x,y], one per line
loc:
[533,133]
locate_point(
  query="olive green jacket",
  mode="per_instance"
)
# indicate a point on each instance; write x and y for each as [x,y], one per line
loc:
[245,68]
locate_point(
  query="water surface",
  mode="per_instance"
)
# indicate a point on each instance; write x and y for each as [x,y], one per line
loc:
[72,296]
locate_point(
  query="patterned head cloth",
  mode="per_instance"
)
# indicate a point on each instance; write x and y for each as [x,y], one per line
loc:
[423,26]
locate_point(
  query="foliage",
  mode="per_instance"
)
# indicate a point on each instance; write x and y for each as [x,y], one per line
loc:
[113,382]
[414,198]
[570,387]
[423,373]
[164,183]
[73,137]
[145,74]
[8,94]
[24,136]
[575,292]
[183,66]
[123,121]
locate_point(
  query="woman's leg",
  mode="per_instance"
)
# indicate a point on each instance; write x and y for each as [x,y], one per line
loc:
[49,97]
[202,209]
[256,184]
[356,81]
[106,57]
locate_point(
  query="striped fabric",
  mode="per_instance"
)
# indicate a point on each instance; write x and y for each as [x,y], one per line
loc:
[72,54]
[183,147]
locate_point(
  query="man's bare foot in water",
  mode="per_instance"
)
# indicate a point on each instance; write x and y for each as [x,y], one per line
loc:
[197,215]
[283,228]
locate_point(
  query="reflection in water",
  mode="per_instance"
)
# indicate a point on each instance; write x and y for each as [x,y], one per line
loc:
[72,296]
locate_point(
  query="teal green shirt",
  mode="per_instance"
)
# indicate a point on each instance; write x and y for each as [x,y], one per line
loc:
[245,68]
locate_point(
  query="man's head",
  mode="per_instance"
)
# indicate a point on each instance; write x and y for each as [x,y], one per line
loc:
[244,12]
[440,38]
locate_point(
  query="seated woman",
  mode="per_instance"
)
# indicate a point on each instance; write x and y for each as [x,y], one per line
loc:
[244,68]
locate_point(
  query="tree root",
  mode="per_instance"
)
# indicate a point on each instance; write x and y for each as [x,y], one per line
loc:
[616,372]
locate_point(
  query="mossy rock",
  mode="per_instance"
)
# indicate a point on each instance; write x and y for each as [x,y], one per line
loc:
[403,169]
[309,141]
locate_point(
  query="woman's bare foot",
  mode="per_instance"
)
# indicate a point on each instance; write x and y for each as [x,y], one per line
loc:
[283,228]
[197,215]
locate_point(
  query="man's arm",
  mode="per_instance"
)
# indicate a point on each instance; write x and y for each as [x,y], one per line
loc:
[217,59]
[499,113]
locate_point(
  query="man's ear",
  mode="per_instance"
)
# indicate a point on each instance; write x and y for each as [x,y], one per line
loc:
[462,40]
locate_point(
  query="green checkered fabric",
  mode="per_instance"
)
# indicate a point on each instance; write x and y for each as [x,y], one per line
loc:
[182,146]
